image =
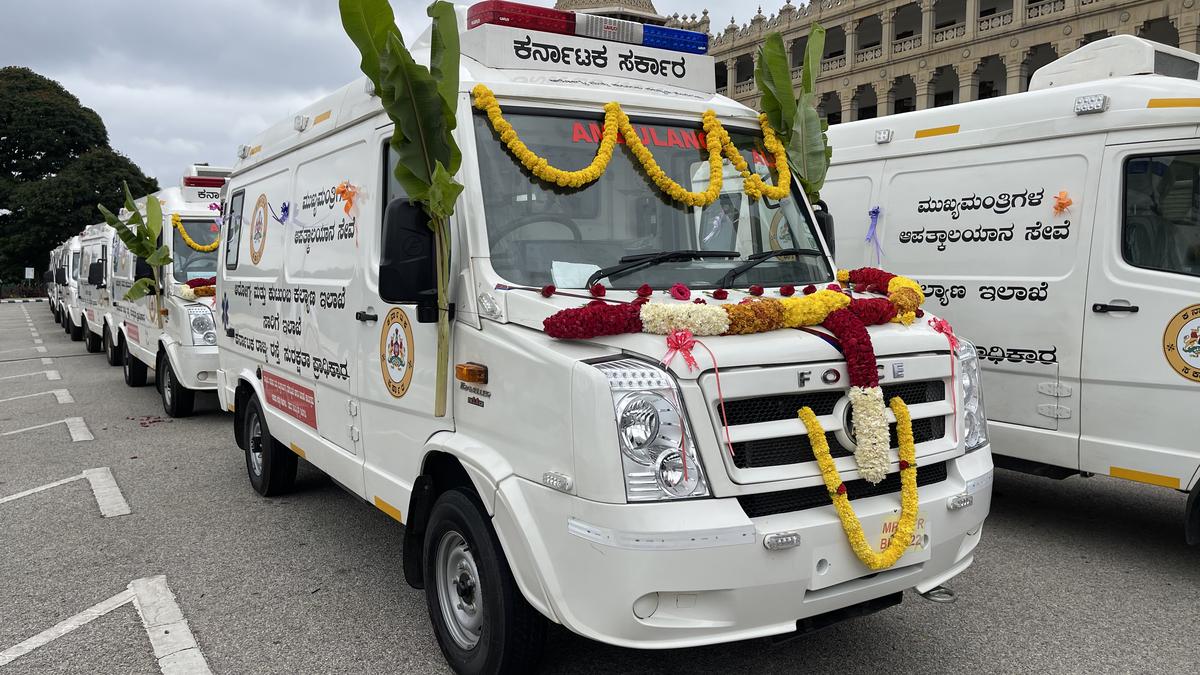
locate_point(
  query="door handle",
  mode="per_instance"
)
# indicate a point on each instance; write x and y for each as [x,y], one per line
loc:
[365,317]
[1102,308]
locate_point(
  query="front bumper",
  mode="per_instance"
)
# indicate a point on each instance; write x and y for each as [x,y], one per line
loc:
[691,573]
[196,367]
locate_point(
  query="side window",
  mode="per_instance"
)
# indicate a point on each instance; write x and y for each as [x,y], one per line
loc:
[1160,229]
[233,229]
[406,250]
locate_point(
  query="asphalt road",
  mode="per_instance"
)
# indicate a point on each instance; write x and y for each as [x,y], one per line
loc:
[1081,575]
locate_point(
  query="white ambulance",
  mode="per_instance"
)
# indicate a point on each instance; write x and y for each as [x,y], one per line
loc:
[95,293]
[182,349]
[535,497]
[1060,230]
[53,280]
[72,311]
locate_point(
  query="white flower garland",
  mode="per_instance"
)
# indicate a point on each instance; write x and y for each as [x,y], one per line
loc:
[870,432]
[187,292]
[701,320]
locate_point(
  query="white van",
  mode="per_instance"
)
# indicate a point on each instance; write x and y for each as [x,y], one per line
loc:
[182,350]
[521,502]
[72,311]
[1060,230]
[95,293]
[54,278]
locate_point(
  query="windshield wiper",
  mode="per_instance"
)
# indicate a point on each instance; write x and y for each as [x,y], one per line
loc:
[630,263]
[755,259]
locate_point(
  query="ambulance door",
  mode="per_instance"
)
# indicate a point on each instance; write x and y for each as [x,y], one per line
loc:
[850,191]
[398,356]
[1141,340]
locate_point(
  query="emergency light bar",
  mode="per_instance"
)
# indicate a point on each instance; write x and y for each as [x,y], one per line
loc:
[518,15]
[203,181]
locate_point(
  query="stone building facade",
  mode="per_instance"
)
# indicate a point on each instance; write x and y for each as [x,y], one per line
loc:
[884,57]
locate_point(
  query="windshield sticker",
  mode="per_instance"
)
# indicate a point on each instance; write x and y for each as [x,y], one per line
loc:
[1181,343]
[396,352]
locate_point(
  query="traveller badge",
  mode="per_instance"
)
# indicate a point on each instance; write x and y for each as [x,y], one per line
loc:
[1181,343]
[396,352]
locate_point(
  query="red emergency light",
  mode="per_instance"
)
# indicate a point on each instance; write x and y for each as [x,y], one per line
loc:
[517,15]
[203,181]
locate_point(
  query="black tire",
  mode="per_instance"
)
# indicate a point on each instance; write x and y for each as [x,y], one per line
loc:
[270,466]
[66,322]
[178,400]
[135,370]
[76,331]
[91,341]
[460,541]
[111,352]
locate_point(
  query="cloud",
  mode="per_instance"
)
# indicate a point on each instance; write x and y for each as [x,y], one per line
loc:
[183,82]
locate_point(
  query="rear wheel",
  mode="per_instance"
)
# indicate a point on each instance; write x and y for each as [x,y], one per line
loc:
[178,400]
[483,623]
[110,350]
[76,331]
[271,467]
[66,322]
[91,340]
[135,370]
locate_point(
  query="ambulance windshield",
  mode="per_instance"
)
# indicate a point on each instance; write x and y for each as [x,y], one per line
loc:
[189,263]
[540,233]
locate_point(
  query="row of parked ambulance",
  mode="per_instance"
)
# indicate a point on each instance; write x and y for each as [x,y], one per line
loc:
[650,504]
[90,273]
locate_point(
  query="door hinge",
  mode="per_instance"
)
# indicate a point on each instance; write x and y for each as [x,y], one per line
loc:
[352,408]
[1054,389]
[1058,412]
[354,433]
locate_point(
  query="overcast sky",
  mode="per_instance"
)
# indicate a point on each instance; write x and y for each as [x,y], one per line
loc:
[182,81]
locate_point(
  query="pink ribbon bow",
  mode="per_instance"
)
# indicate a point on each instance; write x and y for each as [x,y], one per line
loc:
[681,342]
[943,326]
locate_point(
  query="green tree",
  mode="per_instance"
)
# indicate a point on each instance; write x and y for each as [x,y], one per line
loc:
[55,166]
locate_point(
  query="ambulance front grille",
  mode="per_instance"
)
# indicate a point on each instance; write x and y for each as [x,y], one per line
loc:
[785,406]
[789,501]
[797,449]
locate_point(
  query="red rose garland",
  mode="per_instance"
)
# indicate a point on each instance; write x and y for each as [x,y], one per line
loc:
[851,331]
[594,320]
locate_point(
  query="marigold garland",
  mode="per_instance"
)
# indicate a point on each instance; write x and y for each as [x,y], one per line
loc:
[187,239]
[909,503]
[904,293]
[717,140]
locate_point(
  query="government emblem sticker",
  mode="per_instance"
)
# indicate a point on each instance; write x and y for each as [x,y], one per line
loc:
[1181,343]
[258,229]
[396,352]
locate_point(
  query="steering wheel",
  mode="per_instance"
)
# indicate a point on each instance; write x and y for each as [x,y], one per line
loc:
[195,261]
[558,219]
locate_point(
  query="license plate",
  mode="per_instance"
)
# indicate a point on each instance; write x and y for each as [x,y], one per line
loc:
[920,538]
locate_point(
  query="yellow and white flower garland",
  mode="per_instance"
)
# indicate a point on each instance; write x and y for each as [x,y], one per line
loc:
[187,239]
[909,504]
[717,140]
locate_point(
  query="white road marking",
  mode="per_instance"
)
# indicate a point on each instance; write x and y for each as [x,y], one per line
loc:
[46,361]
[50,374]
[20,349]
[37,342]
[75,425]
[62,395]
[174,645]
[104,488]
[108,494]
[40,350]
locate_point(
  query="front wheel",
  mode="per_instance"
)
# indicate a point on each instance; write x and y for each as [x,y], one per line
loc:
[271,467]
[483,623]
[76,331]
[178,400]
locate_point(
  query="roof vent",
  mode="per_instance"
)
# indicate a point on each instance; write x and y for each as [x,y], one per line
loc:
[1117,56]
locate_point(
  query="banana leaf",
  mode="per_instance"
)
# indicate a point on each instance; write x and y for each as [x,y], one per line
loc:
[774,78]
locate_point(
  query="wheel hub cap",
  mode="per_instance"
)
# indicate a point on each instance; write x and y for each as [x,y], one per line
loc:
[458,590]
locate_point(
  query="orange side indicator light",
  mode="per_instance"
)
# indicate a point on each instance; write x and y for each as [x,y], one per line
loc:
[474,373]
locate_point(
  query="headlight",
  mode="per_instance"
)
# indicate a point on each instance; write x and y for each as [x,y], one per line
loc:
[974,417]
[658,453]
[203,326]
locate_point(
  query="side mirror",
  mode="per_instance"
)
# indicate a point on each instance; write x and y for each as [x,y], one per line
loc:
[48,276]
[407,259]
[142,269]
[60,276]
[825,224]
[96,273]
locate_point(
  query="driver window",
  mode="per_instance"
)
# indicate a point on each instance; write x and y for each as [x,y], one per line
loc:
[1161,221]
